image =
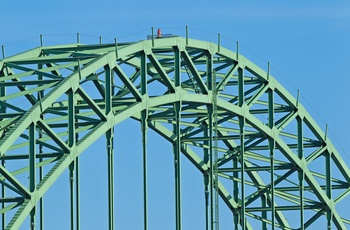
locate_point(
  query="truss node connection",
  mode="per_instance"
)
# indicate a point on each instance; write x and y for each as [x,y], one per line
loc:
[262,157]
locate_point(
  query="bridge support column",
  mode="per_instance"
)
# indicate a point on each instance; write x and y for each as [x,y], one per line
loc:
[110,162]
[272,145]
[71,186]
[235,192]
[110,147]
[32,168]
[77,194]
[144,127]
[3,188]
[211,168]
[242,162]
[301,171]
[177,143]
[264,212]
[3,193]
[329,212]
[41,202]
[32,219]
[177,163]
[206,181]
[241,121]
[71,143]
[41,150]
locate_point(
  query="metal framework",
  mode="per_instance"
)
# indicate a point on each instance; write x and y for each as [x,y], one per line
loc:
[262,154]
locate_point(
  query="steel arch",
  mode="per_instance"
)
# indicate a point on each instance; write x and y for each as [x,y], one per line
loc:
[193,93]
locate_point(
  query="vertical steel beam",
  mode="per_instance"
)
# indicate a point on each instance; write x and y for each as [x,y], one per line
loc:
[71,143]
[71,186]
[41,40]
[143,73]
[272,185]
[152,36]
[110,162]
[144,127]
[241,121]
[32,162]
[116,47]
[3,110]
[235,192]
[272,145]
[177,67]
[177,143]
[3,51]
[206,179]
[212,113]
[32,168]
[237,217]
[110,148]
[210,79]
[263,213]
[186,35]
[240,87]
[41,150]
[177,163]
[211,167]
[215,151]
[328,161]
[77,193]
[32,219]
[301,171]
[329,212]
[210,85]
[211,146]
[3,193]
[219,42]
[77,186]
[71,118]
[41,202]
[108,89]
[2,94]
[77,172]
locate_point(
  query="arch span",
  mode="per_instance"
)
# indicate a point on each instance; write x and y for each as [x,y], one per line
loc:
[56,101]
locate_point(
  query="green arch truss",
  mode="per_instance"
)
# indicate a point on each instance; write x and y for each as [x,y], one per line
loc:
[259,151]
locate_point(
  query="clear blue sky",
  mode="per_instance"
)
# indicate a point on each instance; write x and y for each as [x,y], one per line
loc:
[306,42]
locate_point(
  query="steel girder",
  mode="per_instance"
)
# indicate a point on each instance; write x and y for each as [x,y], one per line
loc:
[55,101]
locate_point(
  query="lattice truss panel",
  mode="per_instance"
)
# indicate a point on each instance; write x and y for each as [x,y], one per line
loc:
[255,144]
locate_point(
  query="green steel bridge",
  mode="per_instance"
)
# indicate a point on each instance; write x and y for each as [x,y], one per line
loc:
[260,153]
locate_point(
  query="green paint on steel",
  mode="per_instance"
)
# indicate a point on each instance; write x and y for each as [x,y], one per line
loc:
[213,97]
